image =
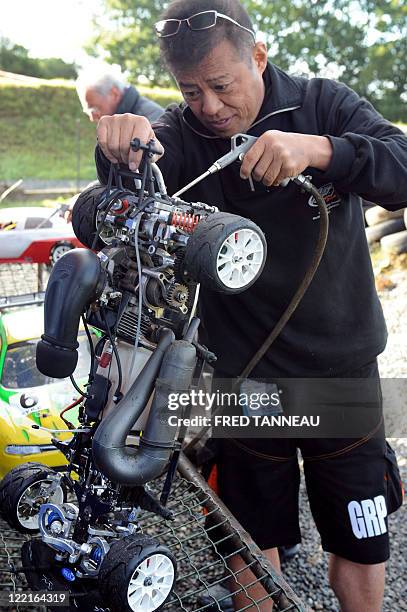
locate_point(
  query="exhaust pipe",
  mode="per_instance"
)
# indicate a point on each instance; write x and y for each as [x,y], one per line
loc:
[174,364]
[76,280]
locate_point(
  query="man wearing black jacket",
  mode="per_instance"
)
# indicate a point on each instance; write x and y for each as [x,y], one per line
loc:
[320,128]
[107,93]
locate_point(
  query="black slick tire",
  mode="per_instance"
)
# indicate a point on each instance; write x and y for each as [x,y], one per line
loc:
[12,488]
[120,564]
[44,573]
[204,245]
[84,216]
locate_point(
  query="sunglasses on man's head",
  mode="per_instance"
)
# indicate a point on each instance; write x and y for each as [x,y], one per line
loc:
[199,21]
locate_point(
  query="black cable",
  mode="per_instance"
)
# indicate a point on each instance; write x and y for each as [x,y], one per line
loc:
[299,294]
[91,349]
[146,202]
[150,178]
[99,345]
[117,393]
[118,177]
[140,297]
[140,194]
[86,395]
[112,173]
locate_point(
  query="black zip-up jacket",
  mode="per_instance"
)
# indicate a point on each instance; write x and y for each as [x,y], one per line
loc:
[339,325]
[133,102]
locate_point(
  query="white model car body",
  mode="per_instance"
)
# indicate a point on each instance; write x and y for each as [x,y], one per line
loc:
[34,235]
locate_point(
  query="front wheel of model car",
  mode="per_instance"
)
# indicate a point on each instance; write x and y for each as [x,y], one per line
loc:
[57,579]
[23,490]
[59,249]
[137,574]
[226,253]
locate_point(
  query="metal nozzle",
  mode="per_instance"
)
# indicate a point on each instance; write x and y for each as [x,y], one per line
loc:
[237,152]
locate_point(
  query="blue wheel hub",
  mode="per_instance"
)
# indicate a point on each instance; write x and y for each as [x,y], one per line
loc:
[68,574]
[96,555]
[53,516]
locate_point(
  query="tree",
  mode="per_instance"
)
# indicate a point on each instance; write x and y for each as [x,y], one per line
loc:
[56,68]
[129,41]
[363,43]
[15,58]
[386,73]
[360,42]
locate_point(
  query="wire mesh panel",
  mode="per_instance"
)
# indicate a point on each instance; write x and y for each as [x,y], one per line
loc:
[217,540]
[204,538]
[10,546]
[17,279]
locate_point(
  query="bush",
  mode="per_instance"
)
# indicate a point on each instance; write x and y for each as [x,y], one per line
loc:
[41,127]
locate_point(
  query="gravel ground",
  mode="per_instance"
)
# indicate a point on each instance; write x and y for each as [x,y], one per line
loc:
[393,362]
[307,572]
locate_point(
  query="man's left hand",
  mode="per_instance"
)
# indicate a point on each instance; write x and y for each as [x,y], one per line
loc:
[278,155]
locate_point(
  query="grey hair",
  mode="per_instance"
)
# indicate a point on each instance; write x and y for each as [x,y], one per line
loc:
[102,82]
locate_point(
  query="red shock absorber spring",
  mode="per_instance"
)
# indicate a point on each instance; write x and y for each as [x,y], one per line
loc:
[185,221]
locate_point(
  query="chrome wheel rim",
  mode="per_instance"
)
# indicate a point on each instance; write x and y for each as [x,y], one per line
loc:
[59,251]
[151,583]
[32,498]
[240,258]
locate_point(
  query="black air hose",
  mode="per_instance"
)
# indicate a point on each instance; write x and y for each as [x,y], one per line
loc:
[76,280]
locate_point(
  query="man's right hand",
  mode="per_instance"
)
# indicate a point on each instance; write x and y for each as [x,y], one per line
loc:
[114,134]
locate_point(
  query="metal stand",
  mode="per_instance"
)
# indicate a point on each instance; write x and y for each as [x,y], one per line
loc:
[277,588]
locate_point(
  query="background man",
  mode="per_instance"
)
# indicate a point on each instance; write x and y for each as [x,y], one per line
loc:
[323,129]
[107,93]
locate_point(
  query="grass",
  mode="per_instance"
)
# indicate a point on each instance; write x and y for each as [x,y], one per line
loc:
[43,129]
[39,129]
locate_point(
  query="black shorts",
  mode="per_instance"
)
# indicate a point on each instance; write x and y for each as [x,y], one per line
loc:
[352,485]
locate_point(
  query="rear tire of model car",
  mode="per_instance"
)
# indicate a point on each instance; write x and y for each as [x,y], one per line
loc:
[22,491]
[58,250]
[84,216]
[377,232]
[137,575]
[44,573]
[226,253]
